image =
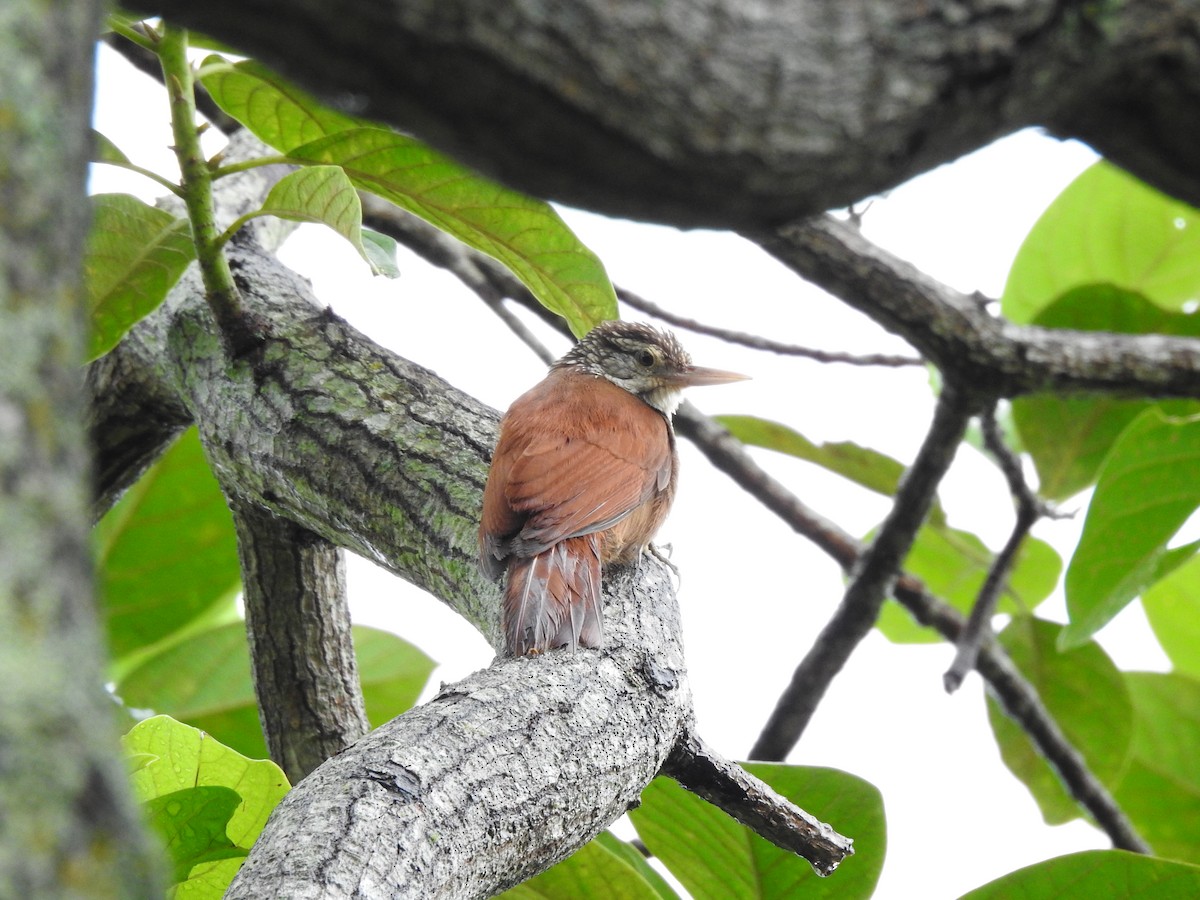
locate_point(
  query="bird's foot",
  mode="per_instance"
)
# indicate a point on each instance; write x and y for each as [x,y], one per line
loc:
[663,555]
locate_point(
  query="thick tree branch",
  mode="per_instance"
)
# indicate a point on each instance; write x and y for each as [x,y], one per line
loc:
[725,784]
[962,339]
[502,774]
[870,580]
[302,658]
[721,115]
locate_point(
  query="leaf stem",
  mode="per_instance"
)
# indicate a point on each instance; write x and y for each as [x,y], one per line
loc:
[257,162]
[153,176]
[237,223]
[196,183]
[117,25]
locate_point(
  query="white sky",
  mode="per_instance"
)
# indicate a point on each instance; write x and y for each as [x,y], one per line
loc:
[753,594]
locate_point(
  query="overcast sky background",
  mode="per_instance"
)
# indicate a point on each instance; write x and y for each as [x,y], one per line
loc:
[753,594]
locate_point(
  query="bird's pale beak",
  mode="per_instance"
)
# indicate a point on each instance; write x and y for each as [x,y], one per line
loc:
[696,376]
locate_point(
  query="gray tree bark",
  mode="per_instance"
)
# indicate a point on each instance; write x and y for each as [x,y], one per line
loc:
[736,114]
[68,826]
[302,659]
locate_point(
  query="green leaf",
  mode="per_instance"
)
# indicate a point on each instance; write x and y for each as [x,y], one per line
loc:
[525,235]
[634,857]
[185,758]
[954,565]
[715,857]
[1107,228]
[594,872]
[381,253]
[166,552]
[134,255]
[275,110]
[1148,487]
[325,196]
[869,468]
[1111,874]
[1160,791]
[1173,608]
[1084,693]
[192,823]
[104,150]
[205,681]
[1069,436]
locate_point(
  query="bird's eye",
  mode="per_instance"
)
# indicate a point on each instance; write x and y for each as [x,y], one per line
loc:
[645,358]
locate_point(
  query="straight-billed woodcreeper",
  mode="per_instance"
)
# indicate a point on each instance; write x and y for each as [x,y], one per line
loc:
[583,476]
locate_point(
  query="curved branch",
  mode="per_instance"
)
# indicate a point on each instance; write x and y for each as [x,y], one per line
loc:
[730,116]
[499,776]
[1029,509]
[954,332]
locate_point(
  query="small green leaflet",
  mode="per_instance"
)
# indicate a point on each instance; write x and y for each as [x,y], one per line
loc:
[862,465]
[324,195]
[276,111]
[104,150]
[1148,487]
[134,255]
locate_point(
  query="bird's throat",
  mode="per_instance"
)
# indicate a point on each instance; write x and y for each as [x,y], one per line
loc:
[665,399]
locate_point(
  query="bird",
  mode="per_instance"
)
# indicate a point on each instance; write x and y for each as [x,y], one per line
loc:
[583,475]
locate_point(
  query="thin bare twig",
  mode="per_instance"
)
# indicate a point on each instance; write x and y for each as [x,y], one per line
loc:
[1029,509]
[871,580]
[757,342]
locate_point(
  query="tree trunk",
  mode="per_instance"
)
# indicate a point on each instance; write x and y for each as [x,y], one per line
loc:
[69,827]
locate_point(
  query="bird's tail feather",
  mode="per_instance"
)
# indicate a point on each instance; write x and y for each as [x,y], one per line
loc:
[552,600]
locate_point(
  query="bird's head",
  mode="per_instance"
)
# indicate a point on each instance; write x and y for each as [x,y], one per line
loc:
[644,361]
